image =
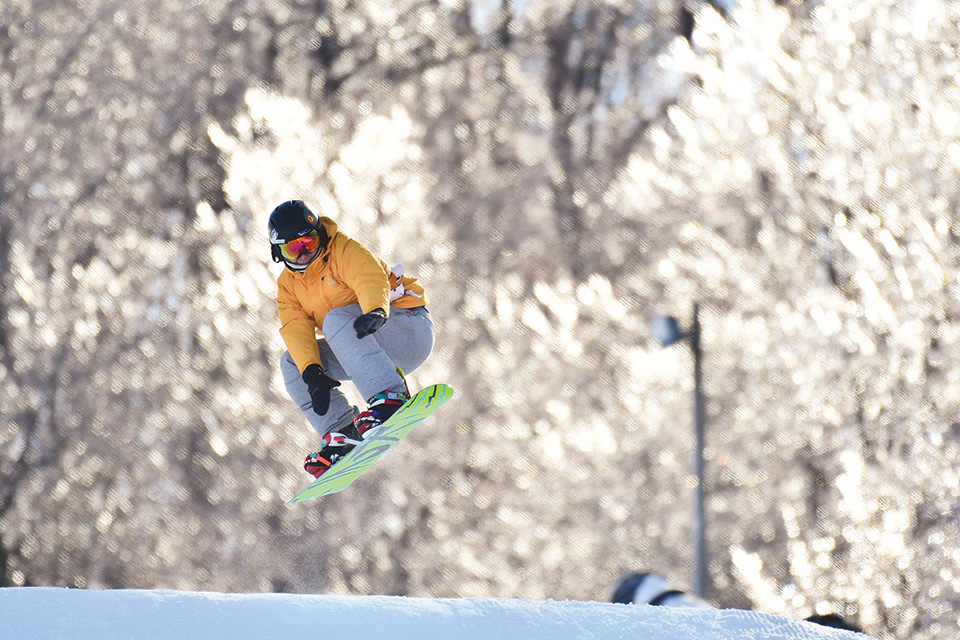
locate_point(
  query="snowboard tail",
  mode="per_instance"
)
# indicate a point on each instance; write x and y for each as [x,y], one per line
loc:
[376,442]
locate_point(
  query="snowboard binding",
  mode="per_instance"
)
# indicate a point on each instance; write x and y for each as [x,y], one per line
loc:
[336,445]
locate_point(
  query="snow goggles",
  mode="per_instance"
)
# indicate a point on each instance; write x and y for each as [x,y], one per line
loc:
[303,245]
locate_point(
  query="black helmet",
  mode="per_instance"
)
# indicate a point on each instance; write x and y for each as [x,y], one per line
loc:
[289,221]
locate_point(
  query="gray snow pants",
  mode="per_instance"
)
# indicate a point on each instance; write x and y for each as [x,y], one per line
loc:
[371,363]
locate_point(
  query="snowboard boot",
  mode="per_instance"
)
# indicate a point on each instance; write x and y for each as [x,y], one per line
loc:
[381,407]
[336,445]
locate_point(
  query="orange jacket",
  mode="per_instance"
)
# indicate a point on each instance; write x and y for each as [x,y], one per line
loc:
[344,273]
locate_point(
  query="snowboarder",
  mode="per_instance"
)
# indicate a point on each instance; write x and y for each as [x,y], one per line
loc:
[373,325]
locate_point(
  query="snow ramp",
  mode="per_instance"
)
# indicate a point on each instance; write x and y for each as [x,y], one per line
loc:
[78,614]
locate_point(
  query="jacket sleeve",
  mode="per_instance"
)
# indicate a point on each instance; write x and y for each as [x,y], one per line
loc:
[366,275]
[297,329]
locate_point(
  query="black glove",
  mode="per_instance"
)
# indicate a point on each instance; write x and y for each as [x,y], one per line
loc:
[369,322]
[319,385]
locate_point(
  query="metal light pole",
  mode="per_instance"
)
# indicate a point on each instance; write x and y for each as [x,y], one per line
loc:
[701,574]
[668,331]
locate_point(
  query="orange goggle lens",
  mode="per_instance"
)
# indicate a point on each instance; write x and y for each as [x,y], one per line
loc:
[304,245]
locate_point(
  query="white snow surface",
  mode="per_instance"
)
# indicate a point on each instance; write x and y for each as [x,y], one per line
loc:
[78,614]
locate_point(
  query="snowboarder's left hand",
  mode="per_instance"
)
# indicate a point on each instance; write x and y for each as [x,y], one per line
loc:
[319,385]
[369,322]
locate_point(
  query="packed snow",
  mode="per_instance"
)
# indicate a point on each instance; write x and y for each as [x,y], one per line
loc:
[54,613]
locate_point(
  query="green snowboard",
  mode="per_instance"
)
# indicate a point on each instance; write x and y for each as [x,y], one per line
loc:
[376,443]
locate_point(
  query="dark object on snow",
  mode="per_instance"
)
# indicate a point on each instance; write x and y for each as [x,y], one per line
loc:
[653,589]
[834,621]
[649,588]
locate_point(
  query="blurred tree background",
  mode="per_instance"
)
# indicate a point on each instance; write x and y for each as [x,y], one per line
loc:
[556,172]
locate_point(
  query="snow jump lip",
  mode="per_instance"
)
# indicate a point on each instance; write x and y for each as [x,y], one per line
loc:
[81,614]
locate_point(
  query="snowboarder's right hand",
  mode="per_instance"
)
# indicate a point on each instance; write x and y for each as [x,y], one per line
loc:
[319,385]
